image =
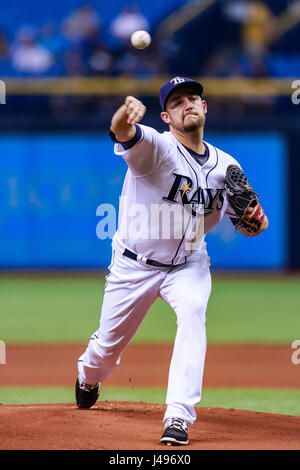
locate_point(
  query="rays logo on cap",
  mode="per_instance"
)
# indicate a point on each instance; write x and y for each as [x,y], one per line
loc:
[177,80]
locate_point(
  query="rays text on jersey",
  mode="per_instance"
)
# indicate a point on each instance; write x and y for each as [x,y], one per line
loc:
[183,190]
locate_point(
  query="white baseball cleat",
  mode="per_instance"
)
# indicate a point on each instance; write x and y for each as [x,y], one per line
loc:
[176,432]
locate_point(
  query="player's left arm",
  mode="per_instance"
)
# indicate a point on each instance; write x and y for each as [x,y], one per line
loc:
[246,213]
[263,227]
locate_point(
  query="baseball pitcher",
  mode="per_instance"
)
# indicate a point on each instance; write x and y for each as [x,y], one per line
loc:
[177,188]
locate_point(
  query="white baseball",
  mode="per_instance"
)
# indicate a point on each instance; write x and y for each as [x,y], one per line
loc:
[140,39]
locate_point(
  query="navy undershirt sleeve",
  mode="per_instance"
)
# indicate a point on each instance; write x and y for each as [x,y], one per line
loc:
[130,143]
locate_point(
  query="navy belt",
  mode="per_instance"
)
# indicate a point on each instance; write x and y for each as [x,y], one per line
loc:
[152,262]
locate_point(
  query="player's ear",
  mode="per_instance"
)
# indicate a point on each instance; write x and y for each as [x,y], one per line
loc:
[165,117]
[204,104]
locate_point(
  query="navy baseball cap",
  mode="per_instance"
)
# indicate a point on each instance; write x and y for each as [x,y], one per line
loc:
[175,83]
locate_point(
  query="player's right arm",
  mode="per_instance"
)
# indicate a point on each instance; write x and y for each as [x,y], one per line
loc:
[142,147]
[124,120]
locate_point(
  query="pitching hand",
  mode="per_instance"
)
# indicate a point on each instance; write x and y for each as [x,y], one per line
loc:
[135,110]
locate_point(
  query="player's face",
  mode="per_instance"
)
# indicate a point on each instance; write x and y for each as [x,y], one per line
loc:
[185,111]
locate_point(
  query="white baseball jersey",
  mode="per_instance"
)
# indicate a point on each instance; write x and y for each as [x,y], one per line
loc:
[164,178]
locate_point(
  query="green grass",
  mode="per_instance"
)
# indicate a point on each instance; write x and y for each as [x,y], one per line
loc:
[254,310]
[66,310]
[262,400]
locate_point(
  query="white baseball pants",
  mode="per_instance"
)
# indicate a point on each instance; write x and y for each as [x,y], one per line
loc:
[131,289]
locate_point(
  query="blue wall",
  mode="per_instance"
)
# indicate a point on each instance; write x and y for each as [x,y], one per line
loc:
[51,186]
[264,160]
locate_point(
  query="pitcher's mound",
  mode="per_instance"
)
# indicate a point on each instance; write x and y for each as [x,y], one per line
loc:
[138,426]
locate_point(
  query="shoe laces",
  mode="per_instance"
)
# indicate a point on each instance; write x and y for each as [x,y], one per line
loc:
[177,423]
[87,387]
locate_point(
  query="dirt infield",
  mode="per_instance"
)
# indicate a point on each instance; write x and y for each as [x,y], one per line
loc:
[138,426]
[147,365]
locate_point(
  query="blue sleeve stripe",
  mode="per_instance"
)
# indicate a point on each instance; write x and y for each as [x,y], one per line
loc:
[131,142]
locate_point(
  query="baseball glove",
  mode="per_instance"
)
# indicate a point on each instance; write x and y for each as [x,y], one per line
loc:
[242,197]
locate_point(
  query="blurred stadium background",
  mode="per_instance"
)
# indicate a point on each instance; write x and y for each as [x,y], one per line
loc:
[67,66]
